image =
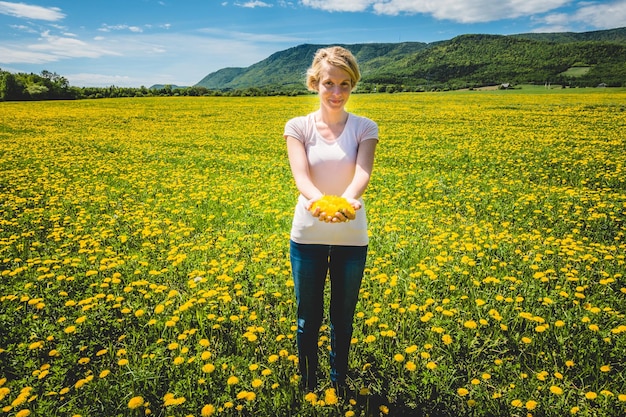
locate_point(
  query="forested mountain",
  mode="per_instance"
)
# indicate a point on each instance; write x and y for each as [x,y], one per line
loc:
[286,69]
[464,61]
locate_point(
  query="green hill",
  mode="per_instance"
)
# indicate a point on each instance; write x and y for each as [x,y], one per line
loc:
[287,69]
[464,61]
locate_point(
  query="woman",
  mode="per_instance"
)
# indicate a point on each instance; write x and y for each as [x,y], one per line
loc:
[331,152]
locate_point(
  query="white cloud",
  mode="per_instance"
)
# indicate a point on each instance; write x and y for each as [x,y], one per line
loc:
[23,28]
[597,14]
[12,55]
[339,6]
[472,11]
[29,11]
[591,15]
[50,48]
[253,4]
[603,15]
[64,47]
[109,28]
[468,11]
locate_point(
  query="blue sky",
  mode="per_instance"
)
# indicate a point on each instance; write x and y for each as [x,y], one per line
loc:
[145,42]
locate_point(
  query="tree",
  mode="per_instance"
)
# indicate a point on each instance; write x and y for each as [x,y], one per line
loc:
[10,88]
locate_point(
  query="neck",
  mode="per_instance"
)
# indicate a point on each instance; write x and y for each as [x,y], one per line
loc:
[332,117]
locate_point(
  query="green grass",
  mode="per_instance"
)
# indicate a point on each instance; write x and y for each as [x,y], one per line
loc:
[144,252]
[576,71]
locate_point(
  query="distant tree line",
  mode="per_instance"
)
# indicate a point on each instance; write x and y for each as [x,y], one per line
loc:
[51,86]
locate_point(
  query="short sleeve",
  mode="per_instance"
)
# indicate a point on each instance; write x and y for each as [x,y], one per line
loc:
[368,130]
[295,129]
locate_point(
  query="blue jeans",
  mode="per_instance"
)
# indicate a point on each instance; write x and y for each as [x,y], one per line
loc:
[310,264]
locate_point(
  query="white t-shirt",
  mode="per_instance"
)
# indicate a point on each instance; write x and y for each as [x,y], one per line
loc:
[331,165]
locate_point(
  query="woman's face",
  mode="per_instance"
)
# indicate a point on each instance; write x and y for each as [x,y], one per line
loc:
[334,87]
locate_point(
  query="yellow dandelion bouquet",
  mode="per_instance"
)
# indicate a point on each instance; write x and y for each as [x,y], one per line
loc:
[331,204]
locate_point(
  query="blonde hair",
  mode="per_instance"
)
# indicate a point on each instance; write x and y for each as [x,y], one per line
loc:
[336,56]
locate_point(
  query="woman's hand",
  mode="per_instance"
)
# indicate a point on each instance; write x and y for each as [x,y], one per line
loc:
[337,217]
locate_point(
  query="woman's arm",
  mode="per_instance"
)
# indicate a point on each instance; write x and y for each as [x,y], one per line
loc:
[300,170]
[362,173]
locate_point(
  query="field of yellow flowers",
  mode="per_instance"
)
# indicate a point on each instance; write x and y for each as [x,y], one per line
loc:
[144,258]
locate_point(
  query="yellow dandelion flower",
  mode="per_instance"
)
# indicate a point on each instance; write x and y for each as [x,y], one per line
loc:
[446,339]
[104,373]
[556,390]
[531,405]
[208,410]
[431,365]
[311,397]
[330,396]
[35,345]
[398,357]
[462,392]
[135,402]
[232,380]
[517,403]
[330,205]
[410,366]
[411,349]
[256,383]
[23,413]
[70,329]
[591,395]
[470,324]
[208,368]
[605,368]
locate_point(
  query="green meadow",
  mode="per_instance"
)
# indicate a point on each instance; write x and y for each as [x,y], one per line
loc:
[144,258]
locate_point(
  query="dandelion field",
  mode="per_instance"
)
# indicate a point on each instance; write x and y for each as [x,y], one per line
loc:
[144,258]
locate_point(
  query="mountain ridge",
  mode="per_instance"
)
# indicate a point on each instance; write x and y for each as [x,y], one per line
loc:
[463,61]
